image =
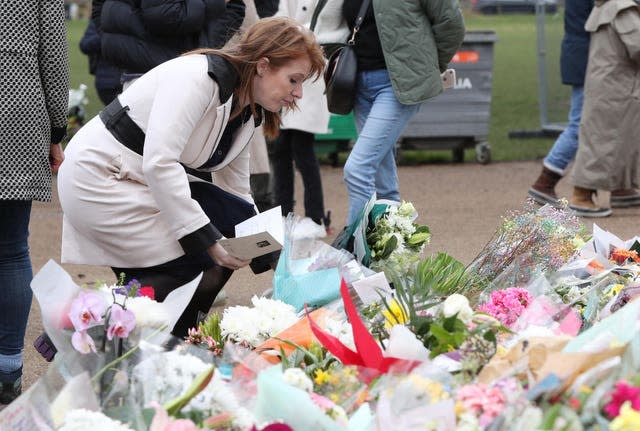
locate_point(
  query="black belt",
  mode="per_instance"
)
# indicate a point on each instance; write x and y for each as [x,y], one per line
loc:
[122,127]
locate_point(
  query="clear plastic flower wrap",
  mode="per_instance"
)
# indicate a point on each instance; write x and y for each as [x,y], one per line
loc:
[56,292]
[308,270]
[278,399]
[421,399]
[529,242]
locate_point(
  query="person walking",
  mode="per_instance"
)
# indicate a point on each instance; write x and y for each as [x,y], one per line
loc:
[574,55]
[608,156]
[402,48]
[127,198]
[33,107]
[296,141]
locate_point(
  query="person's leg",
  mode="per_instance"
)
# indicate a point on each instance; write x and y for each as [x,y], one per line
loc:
[380,119]
[564,149]
[169,276]
[307,163]
[283,173]
[15,302]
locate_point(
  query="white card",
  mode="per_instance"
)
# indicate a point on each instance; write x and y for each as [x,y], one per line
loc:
[268,221]
[371,288]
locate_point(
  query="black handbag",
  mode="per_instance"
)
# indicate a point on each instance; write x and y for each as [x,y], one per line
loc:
[341,72]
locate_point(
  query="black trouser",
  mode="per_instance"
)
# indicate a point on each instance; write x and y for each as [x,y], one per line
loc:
[171,275]
[296,146]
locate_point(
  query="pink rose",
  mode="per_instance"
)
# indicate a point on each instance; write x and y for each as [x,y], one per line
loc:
[121,322]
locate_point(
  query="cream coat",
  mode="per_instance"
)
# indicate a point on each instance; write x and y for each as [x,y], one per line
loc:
[125,210]
[608,155]
[313,113]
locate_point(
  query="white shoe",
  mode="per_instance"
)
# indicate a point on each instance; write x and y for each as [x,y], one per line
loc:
[307,228]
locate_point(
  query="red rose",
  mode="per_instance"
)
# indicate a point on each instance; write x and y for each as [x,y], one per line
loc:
[148,292]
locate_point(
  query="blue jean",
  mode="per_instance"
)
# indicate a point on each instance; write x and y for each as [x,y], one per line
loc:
[565,148]
[15,278]
[380,119]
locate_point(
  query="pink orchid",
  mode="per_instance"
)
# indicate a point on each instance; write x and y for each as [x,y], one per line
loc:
[121,322]
[82,342]
[623,392]
[87,310]
[162,422]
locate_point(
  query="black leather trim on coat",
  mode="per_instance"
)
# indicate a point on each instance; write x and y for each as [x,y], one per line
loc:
[222,71]
[200,240]
[57,134]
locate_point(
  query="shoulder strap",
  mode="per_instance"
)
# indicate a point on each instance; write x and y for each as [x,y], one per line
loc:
[356,27]
[316,12]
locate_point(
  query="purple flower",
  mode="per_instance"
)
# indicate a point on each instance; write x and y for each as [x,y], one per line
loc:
[121,322]
[82,342]
[131,289]
[87,310]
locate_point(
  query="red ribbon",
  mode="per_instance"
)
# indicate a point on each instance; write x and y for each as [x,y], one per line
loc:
[368,353]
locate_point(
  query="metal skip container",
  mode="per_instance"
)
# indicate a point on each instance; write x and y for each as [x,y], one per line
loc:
[459,117]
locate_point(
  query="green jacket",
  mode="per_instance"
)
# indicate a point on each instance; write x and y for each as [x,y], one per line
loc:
[419,38]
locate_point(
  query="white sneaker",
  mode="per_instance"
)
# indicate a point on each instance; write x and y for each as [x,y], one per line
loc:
[307,228]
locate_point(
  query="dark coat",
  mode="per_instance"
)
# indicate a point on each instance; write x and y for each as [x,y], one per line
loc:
[107,75]
[138,35]
[575,43]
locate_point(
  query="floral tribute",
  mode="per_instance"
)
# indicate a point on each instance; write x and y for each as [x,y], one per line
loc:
[395,240]
[91,308]
[507,305]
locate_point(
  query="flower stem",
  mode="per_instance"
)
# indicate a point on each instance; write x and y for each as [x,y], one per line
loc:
[124,356]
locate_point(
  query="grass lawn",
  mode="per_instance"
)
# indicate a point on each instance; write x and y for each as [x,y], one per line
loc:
[514,103]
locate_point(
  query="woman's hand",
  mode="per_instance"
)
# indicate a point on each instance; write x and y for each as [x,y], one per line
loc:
[56,157]
[222,258]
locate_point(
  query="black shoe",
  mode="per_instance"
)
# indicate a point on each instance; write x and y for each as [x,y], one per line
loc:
[10,391]
[45,347]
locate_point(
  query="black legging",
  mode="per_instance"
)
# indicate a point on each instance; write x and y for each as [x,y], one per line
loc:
[163,283]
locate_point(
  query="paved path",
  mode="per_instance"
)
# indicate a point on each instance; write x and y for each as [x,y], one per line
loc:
[461,203]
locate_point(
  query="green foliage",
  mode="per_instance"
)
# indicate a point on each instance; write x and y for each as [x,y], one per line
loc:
[311,359]
[440,275]
[210,327]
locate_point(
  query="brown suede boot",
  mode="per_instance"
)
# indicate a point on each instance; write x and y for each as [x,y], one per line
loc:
[624,198]
[583,205]
[543,190]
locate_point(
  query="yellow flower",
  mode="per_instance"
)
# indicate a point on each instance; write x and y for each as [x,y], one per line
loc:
[321,376]
[394,315]
[617,288]
[585,389]
[627,420]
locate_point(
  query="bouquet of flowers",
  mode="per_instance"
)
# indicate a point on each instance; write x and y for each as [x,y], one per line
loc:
[385,237]
[70,313]
[528,242]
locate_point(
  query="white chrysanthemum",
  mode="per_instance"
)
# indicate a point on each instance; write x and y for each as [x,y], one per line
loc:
[83,420]
[255,325]
[149,313]
[297,378]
